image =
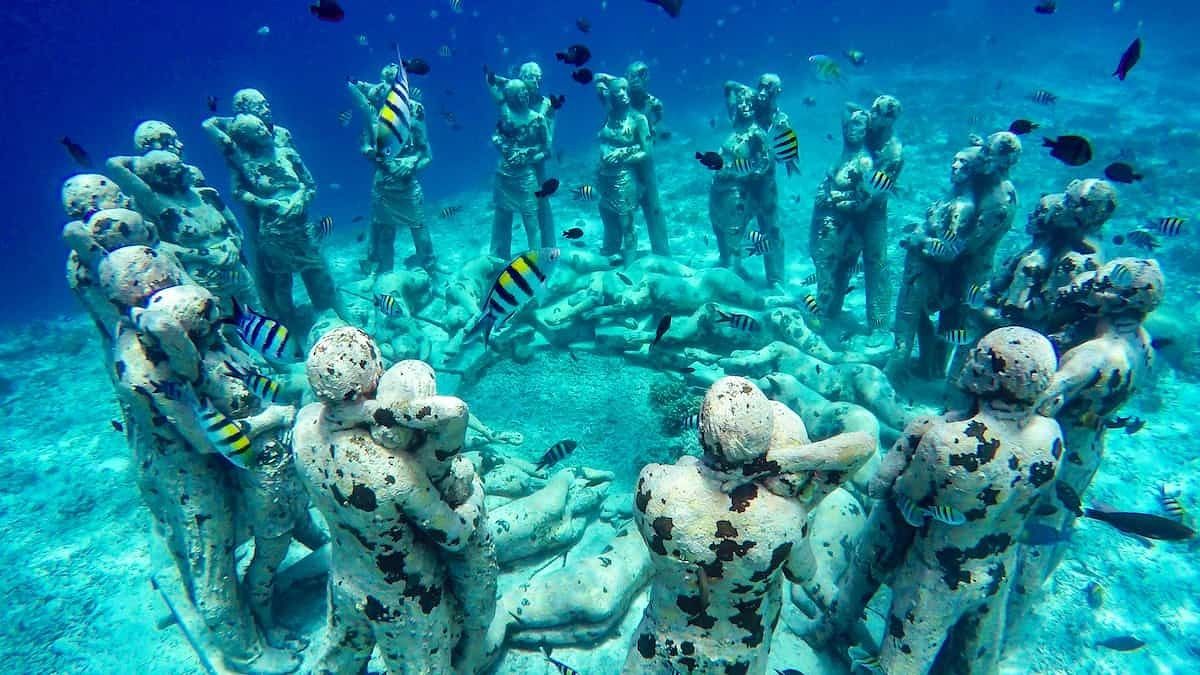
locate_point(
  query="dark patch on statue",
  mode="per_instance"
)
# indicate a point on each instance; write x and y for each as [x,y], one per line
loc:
[1041,473]
[376,611]
[1056,448]
[392,566]
[726,530]
[645,645]
[200,518]
[760,466]
[362,498]
[778,557]
[951,558]
[740,498]
[996,575]
[692,605]
[895,627]
[989,496]
[703,620]
[713,570]
[749,619]
[1014,463]
[642,499]
[737,669]
[687,648]
[386,418]
[727,548]
[1069,498]
[366,543]
[662,527]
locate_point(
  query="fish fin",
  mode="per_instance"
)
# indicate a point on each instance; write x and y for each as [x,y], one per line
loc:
[485,324]
[793,168]
[913,514]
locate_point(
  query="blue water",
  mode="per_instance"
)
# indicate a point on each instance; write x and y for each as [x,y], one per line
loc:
[93,70]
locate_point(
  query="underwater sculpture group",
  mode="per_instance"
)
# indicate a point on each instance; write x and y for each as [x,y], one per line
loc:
[423,509]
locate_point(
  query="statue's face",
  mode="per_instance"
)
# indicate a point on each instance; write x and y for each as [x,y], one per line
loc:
[531,75]
[620,92]
[856,127]
[638,76]
[960,168]
[516,95]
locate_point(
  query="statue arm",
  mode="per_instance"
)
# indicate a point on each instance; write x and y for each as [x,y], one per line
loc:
[450,528]
[421,140]
[368,112]
[120,169]
[845,452]
[1076,370]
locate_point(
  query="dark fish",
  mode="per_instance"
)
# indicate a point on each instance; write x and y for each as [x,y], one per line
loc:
[1162,342]
[664,325]
[1116,422]
[1022,127]
[741,322]
[327,10]
[712,122]
[1118,239]
[788,671]
[624,278]
[1037,534]
[573,233]
[665,134]
[1121,173]
[172,389]
[583,25]
[711,160]
[1121,643]
[451,211]
[583,76]
[1046,7]
[1143,524]
[76,151]
[1129,59]
[1143,239]
[1043,97]
[548,188]
[687,370]
[809,101]
[1070,150]
[211,101]
[416,66]
[671,7]
[358,219]
[575,55]
[362,236]
[117,426]
[557,102]
[556,453]
[1069,498]
[1135,425]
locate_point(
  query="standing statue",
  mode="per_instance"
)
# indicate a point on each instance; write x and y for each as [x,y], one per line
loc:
[732,201]
[649,105]
[725,529]
[625,144]
[396,196]
[763,187]
[523,140]
[531,74]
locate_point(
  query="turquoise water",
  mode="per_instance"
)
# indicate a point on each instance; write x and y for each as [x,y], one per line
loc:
[77,543]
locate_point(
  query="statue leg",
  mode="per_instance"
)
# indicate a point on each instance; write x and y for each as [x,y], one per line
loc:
[628,237]
[415,635]
[910,309]
[422,240]
[348,640]
[529,219]
[656,222]
[381,245]
[922,615]
[768,225]
[827,243]
[502,224]
[613,231]
[545,215]
[319,283]
[875,268]
[473,580]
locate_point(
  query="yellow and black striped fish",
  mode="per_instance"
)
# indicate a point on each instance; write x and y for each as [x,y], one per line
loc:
[556,453]
[226,435]
[388,305]
[740,165]
[976,296]
[395,117]
[585,193]
[265,335]
[786,146]
[879,182]
[324,227]
[811,304]
[956,336]
[562,668]
[1170,226]
[690,422]
[742,322]
[855,271]
[260,385]
[451,211]
[759,244]
[947,514]
[1043,97]
[1144,240]
[518,283]
[445,52]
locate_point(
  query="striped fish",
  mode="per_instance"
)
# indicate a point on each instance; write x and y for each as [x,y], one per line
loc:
[812,278]
[759,244]
[786,146]
[1121,275]
[1168,498]
[913,514]
[225,434]
[396,114]
[690,422]
[344,118]
[585,193]
[451,211]
[741,322]
[265,335]
[324,228]
[879,182]
[740,165]
[1043,97]
[811,304]
[388,305]
[556,453]
[260,385]
[948,515]
[956,336]
[976,296]
[445,52]
[1143,239]
[456,6]
[561,667]
[1170,226]
[519,282]
[937,248]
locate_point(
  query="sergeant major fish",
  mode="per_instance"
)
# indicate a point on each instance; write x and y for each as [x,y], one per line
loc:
[260,385]
[265,335]
[395,116]
[741,322]
[519,282]
[556,453]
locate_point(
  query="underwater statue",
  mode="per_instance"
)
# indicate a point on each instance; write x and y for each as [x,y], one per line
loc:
[850,213]
[193,223]
[725,529]
[271,180]
[171,361]
[396,196]
[158,135]
[764,187]
[625,144]
[733,199]
[378,452]
[649,105]
[531,74]
[952,499]
[949,257]
[1063,227]
[1094,380]
[523,140]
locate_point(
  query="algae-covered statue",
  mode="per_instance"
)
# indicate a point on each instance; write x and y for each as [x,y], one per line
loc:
[523,140]
[193,222]
[733,199]
[764,187]
[955,495]
[651,107]
[391,521]
[158,135]
[625,144]
[396,195]
[530,73]
[724,530]
[273,183]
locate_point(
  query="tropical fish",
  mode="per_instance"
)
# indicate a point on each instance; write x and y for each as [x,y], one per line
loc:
[1046,7]
[690,422]
[956,336]
[948,515]
[759,243]
[1145,525]
[1022,127]
[556,453]
[445,52]
[226,435]
[741,165]
[117,426]
[324,227]
[519,282]
[912,514]
[786,146]
[1121,172]
[671,7]
[825,68]
[456,6]
[556,103]
[211,102]
[388,305]
[575,55]
[583,75]
[1129,59]
[1144,240]
[549,187]
[878,182]
[396,113]
[1121,643]
[856,57]
[265,335]
[741,322]
[260,385]
[1168,498]
[451,211]
[327,10]
[1170,226]
[76,151]
[573,233]
[344,118]
[1095,594]
[585,193]
[416,66]
[711,160]
[1070,150]
[1043,97]
[977,296]
[811,304]
[664,325]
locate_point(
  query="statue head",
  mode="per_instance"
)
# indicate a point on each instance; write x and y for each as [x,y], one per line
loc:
[155,135]
[516,95]
[163,171]
[531,74]
[252,102]
[770,86]
[854,124]
[344,365]
[193,307]
[1003,151]
[736,423]
[614,92]
[638,75]
[967,163]
[250,131]
[1091,202]
[131,274]
[1125,287]
[389,73]
[86,193]
[885,110]
[1011,365]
